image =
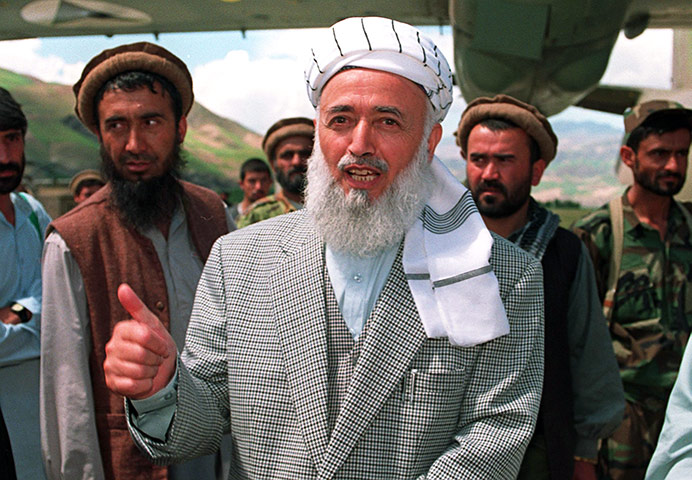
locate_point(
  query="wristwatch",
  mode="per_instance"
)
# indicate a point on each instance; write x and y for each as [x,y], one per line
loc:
[22,312]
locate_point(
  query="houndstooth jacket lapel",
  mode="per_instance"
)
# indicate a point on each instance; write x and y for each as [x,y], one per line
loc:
[299,309]
[394,336]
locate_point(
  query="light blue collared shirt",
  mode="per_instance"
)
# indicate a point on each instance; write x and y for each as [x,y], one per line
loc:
[357,283]
[672,459]
[20,277]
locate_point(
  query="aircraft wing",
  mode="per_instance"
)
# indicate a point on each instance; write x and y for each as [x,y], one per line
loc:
[660,14]
[611,99]
[47,18]
[551,53]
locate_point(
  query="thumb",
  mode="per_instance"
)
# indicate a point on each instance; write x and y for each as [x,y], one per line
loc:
[136,308]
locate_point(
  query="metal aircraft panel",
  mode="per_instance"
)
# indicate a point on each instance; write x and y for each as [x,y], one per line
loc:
[551,53]
[89,17]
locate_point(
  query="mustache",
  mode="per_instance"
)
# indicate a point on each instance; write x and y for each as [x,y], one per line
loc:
[125,157]
[485,185]
[668,174]
[10,167]
[367,161]
[302,169]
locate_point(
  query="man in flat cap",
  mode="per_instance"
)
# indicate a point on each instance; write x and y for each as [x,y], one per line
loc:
[641,247]
[507,145]
[84,184]
[287,144]
[145,227]
[23,221]
[366,335]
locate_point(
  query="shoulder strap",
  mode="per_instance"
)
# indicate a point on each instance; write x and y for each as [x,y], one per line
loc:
[617,234]
[33,218]
[686,214]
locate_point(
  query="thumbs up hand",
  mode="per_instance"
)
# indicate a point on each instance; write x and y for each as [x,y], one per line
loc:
[141,354]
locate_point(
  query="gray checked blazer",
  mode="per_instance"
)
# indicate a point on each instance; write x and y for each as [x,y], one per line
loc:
[255,362]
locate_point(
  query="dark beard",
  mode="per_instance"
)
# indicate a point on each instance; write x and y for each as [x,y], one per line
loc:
[144,203]
[500,208]
[8,185]
[650,182]
[292,183]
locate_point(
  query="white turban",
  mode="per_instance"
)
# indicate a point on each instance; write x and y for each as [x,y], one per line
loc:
[381,44]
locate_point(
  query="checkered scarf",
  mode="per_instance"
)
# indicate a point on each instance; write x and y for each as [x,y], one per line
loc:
[536,234]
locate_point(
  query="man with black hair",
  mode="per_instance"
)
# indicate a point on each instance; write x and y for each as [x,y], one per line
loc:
[23,221]
[642,251]
[507,145]
[255,182]
[145,227]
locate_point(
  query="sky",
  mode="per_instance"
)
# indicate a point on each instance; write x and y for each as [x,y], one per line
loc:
[257,79]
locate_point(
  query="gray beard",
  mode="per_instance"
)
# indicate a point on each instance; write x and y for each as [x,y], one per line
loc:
[354,224]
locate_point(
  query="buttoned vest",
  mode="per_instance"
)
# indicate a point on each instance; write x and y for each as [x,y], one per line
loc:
[342,356]
[108,253]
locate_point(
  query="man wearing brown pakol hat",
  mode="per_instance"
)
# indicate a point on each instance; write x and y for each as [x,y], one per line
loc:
[146,228]
[288,145]
[641,247]
[84,184]
[507,144]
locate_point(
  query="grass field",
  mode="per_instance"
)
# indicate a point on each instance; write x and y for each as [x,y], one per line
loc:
[569,215]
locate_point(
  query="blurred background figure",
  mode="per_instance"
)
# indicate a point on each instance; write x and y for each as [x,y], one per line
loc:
[84,184]
[255,182]
[288,145]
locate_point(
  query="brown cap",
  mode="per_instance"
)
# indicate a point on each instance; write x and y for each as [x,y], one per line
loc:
[141,56]
[638,114]
[83,176]
[284,128]
[525,116]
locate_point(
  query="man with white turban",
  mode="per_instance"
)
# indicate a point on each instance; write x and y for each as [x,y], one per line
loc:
[381,332]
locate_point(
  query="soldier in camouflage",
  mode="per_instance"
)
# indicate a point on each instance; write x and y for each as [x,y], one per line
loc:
[642,251]
[288,145]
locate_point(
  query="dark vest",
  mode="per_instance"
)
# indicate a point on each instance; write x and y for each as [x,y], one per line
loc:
[556,415]
[108,253]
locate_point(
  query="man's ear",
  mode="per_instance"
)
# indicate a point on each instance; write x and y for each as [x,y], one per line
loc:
[627,155]
[96,130]
[433,140]
[537,170]
[182,128]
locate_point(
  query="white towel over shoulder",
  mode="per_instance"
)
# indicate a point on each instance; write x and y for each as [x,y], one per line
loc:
[446,261]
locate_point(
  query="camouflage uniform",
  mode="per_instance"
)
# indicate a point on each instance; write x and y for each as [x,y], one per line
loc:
[650,324]
[264,208]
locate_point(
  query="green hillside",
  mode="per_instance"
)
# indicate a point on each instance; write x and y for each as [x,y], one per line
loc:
[58,145]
